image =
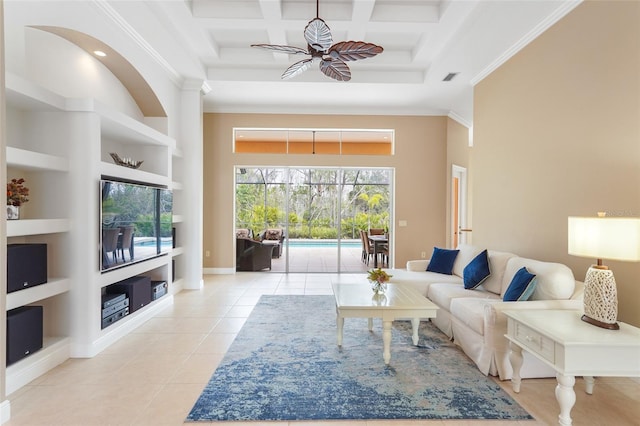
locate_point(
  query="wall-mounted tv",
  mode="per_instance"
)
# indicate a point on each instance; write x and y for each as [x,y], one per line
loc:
[135,221]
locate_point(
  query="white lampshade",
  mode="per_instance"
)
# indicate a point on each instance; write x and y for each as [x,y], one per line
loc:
[615,238]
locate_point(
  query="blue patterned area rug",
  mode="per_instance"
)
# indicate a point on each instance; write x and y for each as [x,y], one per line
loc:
[285,365]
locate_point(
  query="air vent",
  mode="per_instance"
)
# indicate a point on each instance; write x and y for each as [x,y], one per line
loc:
[450,76]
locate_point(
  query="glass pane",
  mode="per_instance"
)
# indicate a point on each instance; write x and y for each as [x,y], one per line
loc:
[366,206]
[272,141]
[314,141]
[367,142]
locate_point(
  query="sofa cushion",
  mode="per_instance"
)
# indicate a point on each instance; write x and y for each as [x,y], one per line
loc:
[442,294]
[466,253]
[555,281]
[521,286]
[476,271]
[497,263]
[470,310]
[420,281]
[442,260]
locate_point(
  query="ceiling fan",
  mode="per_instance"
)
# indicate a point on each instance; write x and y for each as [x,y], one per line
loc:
[331,57]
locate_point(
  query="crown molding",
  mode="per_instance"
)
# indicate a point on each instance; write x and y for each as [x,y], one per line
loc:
[127,29]
[544,25]
[456,117]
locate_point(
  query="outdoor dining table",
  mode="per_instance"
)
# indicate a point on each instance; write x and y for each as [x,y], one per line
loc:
[377,240]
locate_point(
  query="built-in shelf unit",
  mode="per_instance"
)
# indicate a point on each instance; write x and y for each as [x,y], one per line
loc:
[62,147]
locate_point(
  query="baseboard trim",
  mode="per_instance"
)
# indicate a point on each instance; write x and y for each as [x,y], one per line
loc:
[5,411]
[218,271]
[120,329]
[55,351]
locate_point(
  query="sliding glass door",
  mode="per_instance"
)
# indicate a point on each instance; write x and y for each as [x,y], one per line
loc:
[367,205]
[320,211]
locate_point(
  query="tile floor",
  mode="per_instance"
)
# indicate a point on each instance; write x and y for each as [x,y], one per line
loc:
[321,260]
[154,375]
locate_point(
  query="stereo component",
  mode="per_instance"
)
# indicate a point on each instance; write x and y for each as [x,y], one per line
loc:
[115,317]
[110,310]
[112,299]
[158,289]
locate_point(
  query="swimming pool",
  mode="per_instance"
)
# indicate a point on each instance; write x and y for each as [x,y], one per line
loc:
[322,243]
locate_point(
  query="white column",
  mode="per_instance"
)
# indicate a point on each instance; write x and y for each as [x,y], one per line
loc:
[5,406]
[191,144]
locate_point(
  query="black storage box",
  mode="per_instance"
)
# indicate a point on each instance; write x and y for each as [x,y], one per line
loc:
[137,289]
[26,266]
[24,332]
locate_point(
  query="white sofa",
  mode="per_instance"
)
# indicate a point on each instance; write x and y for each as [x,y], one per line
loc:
[474,319]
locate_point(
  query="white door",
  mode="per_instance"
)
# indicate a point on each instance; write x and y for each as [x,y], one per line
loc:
[459,229]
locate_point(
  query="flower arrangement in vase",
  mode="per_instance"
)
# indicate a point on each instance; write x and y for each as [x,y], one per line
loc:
[17,194]
[378,279]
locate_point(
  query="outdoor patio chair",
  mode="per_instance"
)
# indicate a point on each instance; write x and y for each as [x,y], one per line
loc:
[244,233]
[110,244]
[274,237]
[368,250]
[125,241]
[252,255]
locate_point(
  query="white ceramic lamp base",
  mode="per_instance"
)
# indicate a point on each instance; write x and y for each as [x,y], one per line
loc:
[600,299]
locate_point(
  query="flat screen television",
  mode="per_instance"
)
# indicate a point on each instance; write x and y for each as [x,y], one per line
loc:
[136,222]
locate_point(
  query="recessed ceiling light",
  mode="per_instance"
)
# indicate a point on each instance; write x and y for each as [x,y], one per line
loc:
[99,53]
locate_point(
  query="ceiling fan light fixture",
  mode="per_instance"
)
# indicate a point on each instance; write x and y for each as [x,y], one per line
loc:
[320,47]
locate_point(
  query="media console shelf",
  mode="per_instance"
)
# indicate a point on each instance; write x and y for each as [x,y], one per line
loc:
[53,287]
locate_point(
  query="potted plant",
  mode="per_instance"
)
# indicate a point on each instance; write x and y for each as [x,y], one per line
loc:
[378,279]
[17,194]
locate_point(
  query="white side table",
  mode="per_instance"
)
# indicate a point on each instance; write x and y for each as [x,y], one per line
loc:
[573,348]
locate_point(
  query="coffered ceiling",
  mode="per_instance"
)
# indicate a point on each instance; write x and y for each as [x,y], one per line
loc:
[209,40]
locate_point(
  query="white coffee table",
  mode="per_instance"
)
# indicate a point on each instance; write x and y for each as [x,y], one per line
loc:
[573,348]
[399,302]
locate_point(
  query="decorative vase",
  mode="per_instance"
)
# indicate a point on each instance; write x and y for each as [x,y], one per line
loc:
[378,287]
[13,212]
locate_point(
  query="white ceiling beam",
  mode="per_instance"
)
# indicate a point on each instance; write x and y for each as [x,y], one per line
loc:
[272,14]
[453,15]
[178,17]
[382,27]
[361,14]
[314,75]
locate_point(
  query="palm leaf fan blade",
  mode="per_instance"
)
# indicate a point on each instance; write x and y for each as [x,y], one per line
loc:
[354,50]
[336,69]
[318,35]
[281,49]
[297,68]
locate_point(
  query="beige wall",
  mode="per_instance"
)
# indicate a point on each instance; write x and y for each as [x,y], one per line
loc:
[557,134]
[420,176]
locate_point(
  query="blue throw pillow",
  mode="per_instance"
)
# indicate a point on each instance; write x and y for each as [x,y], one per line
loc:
[442,260]
[476,271]
[521,286]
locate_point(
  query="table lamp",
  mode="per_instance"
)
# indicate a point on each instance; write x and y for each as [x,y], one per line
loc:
[615,238]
